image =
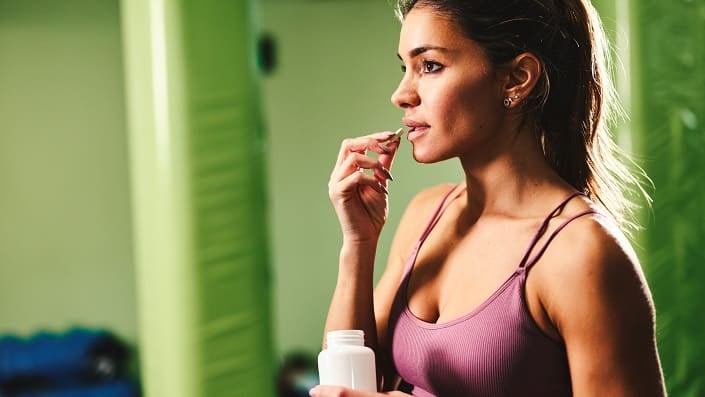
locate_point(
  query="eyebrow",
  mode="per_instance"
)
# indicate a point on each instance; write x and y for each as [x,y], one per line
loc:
[420,50]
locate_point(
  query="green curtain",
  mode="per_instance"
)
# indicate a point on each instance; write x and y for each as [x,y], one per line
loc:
[197,170]
[669,119]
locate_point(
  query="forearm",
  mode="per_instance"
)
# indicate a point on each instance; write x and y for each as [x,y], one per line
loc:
[352,304]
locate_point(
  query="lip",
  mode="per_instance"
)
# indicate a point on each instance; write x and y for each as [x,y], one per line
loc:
[411,123]
[416,128]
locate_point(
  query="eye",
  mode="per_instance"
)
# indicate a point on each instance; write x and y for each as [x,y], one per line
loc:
[431,66]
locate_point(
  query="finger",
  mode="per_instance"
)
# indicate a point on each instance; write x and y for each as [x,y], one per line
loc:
[360,179]
[364,143]
[391,146]
[356,162]
[324,391]
[387,159]
[396,137]
[350,185]
[352,163]
[375,204]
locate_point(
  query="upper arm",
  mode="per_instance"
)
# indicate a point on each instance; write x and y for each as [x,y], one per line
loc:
[601,305]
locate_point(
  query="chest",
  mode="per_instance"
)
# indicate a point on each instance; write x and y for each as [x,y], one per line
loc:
[492,350]
[455,273]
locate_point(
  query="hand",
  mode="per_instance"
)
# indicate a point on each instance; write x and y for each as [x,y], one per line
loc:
[360,199]
[335,391]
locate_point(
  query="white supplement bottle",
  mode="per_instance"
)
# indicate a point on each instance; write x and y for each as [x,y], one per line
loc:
[347,361]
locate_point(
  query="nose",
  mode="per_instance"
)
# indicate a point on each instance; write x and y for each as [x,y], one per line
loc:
[406,95]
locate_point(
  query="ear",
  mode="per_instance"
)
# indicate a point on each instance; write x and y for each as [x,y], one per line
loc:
[519,77]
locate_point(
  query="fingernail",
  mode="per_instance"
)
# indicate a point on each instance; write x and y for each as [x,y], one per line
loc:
[313,391]
[384,148]
[384,189]
[387,174]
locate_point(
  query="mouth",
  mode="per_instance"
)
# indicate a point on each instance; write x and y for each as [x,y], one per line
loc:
[416,128]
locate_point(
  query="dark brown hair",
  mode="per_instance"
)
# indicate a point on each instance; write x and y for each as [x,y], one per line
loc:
[574,103]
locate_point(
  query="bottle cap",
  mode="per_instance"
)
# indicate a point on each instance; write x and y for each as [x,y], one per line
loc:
[346,337]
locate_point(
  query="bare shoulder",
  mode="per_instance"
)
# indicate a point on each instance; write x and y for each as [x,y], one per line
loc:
[417,214]
[431,195]
[592,253]
[593,289]
[420,210]
[592,257]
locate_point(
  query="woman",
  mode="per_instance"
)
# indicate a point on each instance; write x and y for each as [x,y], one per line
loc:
[518,281]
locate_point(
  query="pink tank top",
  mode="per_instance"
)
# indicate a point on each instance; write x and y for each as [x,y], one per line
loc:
[495,350]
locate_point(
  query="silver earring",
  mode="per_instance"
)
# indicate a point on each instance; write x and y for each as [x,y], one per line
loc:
[509,100]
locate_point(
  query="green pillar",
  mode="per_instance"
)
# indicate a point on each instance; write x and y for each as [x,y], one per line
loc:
[196,148]
[668,67]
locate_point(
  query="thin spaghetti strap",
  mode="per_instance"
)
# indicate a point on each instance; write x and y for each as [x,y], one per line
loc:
[544,225]
[436,215]
[431,223]
[538,255]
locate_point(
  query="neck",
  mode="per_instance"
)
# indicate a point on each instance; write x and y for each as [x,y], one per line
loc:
[510,180]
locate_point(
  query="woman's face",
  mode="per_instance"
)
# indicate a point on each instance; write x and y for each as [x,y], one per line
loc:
[451,97]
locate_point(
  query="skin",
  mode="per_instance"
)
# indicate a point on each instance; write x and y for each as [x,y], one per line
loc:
[598,303]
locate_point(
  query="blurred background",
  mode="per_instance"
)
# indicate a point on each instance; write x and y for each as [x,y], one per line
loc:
[163,176]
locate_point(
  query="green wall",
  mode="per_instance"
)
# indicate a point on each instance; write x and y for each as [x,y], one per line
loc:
[65,230]
[65,240]
[66,253]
